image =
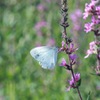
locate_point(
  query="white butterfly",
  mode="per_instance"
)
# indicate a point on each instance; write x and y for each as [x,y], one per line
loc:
[47,56]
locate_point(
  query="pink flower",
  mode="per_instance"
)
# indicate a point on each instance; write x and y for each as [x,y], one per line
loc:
[94,1]
[75,17]
[88,53]
[88,10]
[98,11]
[77,27]
[88,27]
[94,11]
[41,7]
[51,42]
[63,63]
[92,45]
[78,12]
[95,21]
[62,48]
[85,15]
[73,57]
[73,81]
[92,49]
[40,24]
[77,77]
[63,43]
[72,48]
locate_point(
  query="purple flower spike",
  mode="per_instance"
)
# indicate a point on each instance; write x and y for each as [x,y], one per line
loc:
[73,57]
[63,63]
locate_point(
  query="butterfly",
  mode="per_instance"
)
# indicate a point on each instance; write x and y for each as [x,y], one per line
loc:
[46,56]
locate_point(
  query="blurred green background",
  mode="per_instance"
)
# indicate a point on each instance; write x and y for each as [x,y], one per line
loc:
[25,24]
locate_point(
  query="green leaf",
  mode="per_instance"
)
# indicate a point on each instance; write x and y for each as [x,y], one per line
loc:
[78,83]
[88,98]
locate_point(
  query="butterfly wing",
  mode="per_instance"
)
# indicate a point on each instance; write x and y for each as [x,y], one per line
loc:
[38,52]
[49,59]
[47,56]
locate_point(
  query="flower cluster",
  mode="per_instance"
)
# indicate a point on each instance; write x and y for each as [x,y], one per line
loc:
[38,27]
[74,82]
[75,17]
[69,49]
[92,49]
[94,11]
[40,24]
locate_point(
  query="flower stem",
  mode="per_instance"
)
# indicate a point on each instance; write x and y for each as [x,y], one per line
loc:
[79,93]
[72,72]
[65,24]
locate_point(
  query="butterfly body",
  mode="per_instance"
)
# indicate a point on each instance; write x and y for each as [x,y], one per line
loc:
[46,56]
